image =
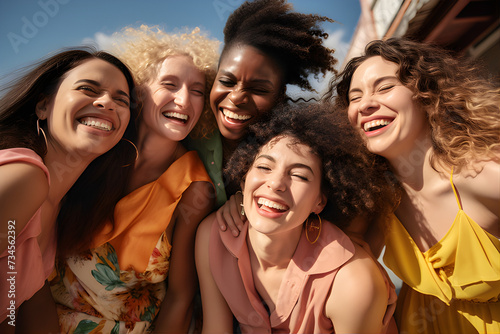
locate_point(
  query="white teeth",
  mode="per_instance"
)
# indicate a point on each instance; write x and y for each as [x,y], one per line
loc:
[233,115]
[176,115]
[379,122]
[271,204]
[96,124]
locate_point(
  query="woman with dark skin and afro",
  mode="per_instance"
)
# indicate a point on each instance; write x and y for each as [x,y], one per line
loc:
[267,46]
[292,269]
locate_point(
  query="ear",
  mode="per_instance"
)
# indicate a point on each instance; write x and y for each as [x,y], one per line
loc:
[321,204]
[41,108]
[242,186]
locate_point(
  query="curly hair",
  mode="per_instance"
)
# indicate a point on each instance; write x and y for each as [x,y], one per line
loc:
[292,39]
[145,48]
[354,183]
[463,109]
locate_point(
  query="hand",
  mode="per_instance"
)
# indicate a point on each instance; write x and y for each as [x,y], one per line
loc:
[231,214]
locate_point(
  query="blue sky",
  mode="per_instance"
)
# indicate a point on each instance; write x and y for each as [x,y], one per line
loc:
[30,29]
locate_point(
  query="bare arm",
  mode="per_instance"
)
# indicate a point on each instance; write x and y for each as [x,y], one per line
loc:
[229,215]
[23,189]
[217,317]
[358,300]
[176,309]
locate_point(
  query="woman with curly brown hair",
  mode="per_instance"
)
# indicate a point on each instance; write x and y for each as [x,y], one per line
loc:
[267,46]
[437,124]
[292,269]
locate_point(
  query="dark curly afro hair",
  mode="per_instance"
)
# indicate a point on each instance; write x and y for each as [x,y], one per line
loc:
[353,181]
[294,40]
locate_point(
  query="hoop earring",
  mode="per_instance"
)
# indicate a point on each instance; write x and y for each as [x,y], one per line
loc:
[38,129]
[136,152]
[313,227]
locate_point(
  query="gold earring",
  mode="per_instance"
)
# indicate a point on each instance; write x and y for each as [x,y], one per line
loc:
[312,227]
[241,204]
[38,129]
[136,152]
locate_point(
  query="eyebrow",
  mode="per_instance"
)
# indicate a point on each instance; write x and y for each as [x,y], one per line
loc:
[376,82]
[96,83]
[296,165]
[264,81]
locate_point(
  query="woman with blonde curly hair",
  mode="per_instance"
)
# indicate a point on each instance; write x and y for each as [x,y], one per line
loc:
[437,124]
[131,275]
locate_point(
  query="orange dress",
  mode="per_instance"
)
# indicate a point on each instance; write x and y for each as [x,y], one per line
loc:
[118,286]
[453,287]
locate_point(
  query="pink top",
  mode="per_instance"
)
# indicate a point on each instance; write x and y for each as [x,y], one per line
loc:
[24,268]
[300,307]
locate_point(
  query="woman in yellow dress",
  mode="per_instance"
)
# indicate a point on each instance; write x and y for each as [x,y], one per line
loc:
[437,124]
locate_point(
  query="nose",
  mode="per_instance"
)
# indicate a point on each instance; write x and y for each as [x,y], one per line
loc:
[367,104]
[182,97]
[238,96]
[104,101]
[276,183]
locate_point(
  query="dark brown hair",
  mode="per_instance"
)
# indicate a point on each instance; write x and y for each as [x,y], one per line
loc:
[91,200]
[352,180]
[294,40]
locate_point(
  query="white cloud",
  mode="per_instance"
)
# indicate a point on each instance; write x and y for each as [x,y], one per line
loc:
[100,40]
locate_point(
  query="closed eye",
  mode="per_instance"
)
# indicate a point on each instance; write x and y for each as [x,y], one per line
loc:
[87,88]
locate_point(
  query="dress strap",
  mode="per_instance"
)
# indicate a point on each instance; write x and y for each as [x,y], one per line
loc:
[454,189]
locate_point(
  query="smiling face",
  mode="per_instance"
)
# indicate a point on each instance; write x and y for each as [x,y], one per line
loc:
[248,84]
[90,110]
[384,109]
[282,187]
[174,100]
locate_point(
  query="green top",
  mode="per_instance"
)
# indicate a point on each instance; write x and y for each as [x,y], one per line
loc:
[210,152]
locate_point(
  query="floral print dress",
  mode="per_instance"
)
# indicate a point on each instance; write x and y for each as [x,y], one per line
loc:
[114,288]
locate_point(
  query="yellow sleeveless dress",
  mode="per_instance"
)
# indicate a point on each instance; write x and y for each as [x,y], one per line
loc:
[453,287]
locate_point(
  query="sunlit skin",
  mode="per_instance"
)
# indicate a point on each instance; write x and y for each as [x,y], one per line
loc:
[248,84]
[282,188]
[90,110]
[384,109]
[174,100]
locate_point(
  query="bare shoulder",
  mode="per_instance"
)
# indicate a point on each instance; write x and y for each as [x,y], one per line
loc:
[23,189]
[483,179]
[358,299]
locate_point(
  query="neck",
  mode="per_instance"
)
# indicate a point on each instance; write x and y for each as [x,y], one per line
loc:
[412,166]
[273,251]
[64,168]
[156,154]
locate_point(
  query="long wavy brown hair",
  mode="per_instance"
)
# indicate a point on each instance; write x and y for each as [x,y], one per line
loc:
[463,108]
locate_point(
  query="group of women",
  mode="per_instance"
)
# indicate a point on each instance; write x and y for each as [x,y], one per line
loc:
[132,181]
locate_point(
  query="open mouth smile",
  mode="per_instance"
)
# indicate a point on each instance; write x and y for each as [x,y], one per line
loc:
[271,206]
[376,124]
[234,117]
[96,123]
[176,116]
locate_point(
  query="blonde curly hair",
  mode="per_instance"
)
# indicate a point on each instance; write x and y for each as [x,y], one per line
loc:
[463,109]
[145,48]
